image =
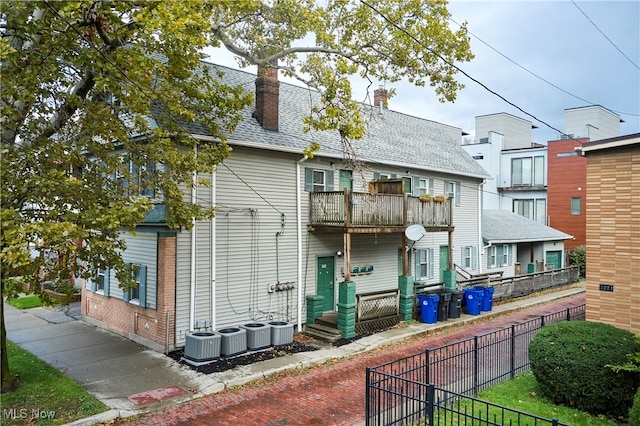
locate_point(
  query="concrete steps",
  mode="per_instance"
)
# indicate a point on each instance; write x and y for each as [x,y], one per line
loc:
[325,328]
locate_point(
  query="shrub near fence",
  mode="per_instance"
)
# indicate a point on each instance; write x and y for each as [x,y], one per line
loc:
[463,368]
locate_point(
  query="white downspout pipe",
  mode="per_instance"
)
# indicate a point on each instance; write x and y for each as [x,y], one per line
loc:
[299,232]
[480,252]
[192,297]
[213,252]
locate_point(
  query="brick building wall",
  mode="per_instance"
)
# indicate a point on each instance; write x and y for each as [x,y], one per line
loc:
[613,237]
[151,327]
[566,179]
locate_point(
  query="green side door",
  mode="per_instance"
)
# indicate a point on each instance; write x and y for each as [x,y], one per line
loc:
[554,258]
[346,180]
[325,277]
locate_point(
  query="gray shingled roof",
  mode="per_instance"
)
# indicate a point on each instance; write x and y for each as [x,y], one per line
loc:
[501,226]
[392,138]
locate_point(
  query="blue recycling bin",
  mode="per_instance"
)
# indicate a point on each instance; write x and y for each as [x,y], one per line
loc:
[428,307]
[473,300]
[487,300]
[487,297]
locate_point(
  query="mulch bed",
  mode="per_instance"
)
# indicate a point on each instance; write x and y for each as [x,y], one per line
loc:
[301,343]
[227,363]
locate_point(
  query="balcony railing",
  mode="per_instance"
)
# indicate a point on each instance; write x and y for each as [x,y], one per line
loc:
[359,209]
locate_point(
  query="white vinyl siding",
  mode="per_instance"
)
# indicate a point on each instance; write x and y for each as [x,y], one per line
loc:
[141,250]
[249,256]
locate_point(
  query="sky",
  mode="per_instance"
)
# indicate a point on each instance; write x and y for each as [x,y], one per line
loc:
[589,50]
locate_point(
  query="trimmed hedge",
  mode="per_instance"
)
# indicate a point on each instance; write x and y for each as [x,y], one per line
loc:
[634,413]
[569,359]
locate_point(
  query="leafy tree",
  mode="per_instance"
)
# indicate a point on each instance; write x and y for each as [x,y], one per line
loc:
[578,257]
[83,79]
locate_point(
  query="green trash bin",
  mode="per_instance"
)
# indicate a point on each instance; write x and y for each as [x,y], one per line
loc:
[531,268]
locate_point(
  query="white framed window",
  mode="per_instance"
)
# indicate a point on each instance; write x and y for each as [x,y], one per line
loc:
[319,184]
[101,280]
[523,208]
[505,254]
[137,295]
[452,189]
[318,180]
[466,262]
[492,256]
[424,264]
[527,171]
[469,257]
[423,186]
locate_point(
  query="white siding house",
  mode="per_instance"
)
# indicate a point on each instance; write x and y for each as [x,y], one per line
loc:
[266,249]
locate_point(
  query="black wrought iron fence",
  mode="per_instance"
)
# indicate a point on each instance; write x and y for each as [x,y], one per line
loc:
[463,368]
[416,403]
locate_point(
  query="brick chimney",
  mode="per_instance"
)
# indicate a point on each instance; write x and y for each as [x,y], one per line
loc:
[267,95]
[380,98]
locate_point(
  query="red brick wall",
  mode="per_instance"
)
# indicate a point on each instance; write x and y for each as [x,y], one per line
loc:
[133,321]
[567,178]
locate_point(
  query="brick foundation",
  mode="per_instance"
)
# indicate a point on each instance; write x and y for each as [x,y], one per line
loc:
[150,327]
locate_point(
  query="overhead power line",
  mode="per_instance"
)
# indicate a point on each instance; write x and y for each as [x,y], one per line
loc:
[604,35]
[537,76]
[443,59]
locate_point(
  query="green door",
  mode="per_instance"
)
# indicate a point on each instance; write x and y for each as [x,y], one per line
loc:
[444,261]
[324,281]
[554,258]
[346,180]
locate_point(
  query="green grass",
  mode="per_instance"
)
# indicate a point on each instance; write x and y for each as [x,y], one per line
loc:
[43,390]
[26,302]
[522,394]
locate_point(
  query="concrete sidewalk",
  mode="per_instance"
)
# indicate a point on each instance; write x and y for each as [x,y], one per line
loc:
[132,379]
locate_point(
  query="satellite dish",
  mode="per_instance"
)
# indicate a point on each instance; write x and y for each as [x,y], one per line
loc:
[415,232]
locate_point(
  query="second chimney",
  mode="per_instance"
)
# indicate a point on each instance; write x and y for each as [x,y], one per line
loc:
[380,98]
[267,97]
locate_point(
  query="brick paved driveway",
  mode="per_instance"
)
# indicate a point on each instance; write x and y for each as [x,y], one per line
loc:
[332,394]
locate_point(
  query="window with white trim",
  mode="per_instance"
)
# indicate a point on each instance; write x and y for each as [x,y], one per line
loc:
[469,257]
[452,189]
[505,254]
[319,184]
[527,171]
[137,294]
[466,257]
[424,264]
[423,186]
[318,180]
[492,256]
[101,280]
[533,209]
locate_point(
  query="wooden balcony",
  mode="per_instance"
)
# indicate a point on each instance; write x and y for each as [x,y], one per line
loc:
[359,212]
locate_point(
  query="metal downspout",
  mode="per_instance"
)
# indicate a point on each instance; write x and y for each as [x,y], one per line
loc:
[480,227]
[299,237]
[192,297]
[213,252]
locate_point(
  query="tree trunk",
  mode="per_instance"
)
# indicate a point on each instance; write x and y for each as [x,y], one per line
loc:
[7,377]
